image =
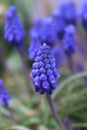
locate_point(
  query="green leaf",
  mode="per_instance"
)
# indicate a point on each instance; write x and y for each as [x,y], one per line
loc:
[19,127]
[42,128]
[80,125]
[67,81]
[12,60]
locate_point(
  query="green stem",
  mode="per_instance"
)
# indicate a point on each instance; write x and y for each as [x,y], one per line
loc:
[11,114]
[70,64]
[54,112]
[5,66]
[6,105]
[25,68]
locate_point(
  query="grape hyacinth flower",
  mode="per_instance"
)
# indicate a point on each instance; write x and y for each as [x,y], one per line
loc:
[34,44]
[14,33]
[44,71]
[68,11]
[37,24]
[44,76]
[57,52]
[59,24]
[84,15]
[4,94]
[70,30]
[47,32]
[67,124]
[13,29]
[69,45]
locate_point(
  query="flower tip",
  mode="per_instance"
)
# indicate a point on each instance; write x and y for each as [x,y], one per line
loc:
[56,13]
[44,44]
[70,29]
[12,8]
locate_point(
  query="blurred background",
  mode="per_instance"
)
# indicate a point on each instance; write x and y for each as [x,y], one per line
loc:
[31,109]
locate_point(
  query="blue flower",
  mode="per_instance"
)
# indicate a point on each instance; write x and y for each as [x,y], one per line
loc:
[84,15]
[70,29]
[47,33]
[34,34]
[37,24]
[69,44]
[34,43]
[67,124]
[4,94]
[57,51]
[13,29]
[44,71]
[59,24]
[69,13]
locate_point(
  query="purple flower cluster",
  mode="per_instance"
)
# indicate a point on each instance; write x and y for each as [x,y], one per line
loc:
[35,41]
[47,32]
[69,45]
[84,15]
[44,71]
[4,94]
[69,42]
[34,44]
[13,30]
[37,25]
[43,31]
[68,11]
[57,52]
[70,30]
[67,124]
[59,24]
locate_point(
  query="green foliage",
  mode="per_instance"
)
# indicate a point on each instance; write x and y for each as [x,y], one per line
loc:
[18,127]
[70,99]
